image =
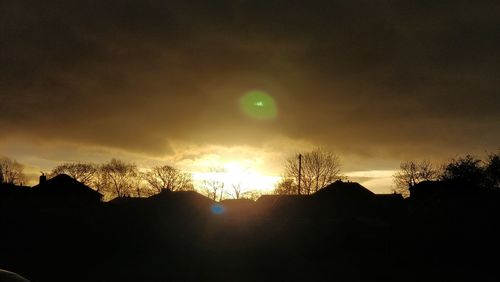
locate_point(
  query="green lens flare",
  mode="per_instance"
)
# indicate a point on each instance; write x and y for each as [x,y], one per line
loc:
[258,105]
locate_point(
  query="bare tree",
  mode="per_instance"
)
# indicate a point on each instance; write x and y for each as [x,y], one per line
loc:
[319,168]
[427,171]
[100,180]
[83,172]
[286,187]
[235,192]
[120,177]
[238,192]
[411,173]
[11,171]
[251,195]
[140,188]
[168,177]
[214,186]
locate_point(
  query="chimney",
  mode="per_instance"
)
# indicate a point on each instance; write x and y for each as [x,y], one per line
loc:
[43,178]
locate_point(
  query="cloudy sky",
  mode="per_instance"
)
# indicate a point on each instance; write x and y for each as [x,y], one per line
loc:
[155,81]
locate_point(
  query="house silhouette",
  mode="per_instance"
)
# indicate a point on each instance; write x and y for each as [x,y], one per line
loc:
[345,191]
[337,199]
[65,188]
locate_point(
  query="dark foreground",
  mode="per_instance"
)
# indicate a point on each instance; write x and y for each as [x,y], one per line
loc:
[178,237]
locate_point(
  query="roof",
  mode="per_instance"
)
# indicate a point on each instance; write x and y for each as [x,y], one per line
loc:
[66,185]
[427,184]
[428,188]
[277,196]
[389,197]
[344,190]
[236,202]
[273,199]
[180,200]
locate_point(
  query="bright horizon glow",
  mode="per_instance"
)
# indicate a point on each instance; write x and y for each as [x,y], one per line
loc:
[257,168]
[378,181]
[235,173]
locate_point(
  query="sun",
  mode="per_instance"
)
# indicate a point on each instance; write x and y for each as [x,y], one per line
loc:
[237,173]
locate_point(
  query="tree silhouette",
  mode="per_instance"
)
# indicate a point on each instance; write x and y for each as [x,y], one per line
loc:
[120,177]
[251,195]
[168,177]
[319,168]
[100,180]
[286,187]
[466,171]
[83,172]
[213,187]
[492,170]
[236,190]
[411,173]
[11,171]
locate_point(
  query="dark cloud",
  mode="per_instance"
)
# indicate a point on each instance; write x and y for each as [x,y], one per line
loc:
[384,78]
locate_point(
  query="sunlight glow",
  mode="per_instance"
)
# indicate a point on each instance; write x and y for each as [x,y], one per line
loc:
[236,173]
[378,181]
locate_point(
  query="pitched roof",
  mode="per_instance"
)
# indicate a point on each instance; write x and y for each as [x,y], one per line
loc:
[67,185]
[345,190]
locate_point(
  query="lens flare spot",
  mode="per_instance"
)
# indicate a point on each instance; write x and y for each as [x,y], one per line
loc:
[258,105]
[217,209]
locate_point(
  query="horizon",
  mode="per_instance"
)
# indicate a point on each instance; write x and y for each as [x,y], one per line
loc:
[250,179]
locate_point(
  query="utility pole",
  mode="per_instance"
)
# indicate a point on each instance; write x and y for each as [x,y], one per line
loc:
[300,169]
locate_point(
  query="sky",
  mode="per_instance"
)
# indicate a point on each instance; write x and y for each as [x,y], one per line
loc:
[376,82]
